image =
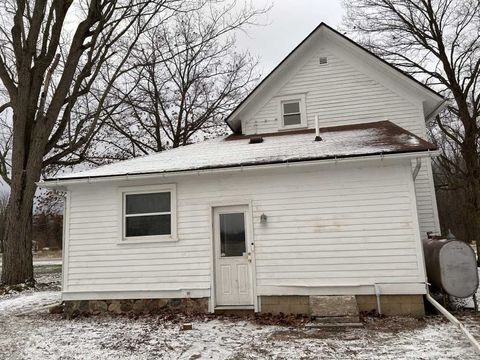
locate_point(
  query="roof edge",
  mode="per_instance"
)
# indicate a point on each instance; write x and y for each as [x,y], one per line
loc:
[58,182]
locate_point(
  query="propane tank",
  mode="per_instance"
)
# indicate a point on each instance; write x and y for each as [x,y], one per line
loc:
[451,266]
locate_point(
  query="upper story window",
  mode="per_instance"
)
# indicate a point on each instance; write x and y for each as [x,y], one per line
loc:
[292,112]
[149,213]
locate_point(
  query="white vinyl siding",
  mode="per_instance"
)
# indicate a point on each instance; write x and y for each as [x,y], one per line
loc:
[340,95]
[350,224]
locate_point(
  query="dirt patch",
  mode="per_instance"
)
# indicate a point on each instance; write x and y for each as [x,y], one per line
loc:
[47,278]
[394,324]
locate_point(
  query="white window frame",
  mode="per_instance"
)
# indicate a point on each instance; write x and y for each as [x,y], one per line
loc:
[300,98]
[150,189]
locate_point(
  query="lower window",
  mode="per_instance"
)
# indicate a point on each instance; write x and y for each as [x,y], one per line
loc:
[148,214]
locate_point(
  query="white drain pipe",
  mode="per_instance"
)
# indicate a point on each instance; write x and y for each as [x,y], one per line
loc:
[454,320]
[377,295]
[416,170]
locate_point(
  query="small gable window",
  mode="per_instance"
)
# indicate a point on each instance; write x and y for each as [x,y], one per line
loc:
[292,112]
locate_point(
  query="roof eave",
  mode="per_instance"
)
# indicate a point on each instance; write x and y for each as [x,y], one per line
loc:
[440,107]
[61,184]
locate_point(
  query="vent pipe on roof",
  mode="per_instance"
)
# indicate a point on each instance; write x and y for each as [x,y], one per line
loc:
[317,130]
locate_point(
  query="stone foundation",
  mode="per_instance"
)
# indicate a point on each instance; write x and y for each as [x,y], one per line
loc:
[75,308]
[393,305]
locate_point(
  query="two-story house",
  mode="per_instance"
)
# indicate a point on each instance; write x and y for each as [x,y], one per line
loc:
[323,188]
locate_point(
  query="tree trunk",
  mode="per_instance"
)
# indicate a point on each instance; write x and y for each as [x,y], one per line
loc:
[472,180]
[17,264]
[17,260]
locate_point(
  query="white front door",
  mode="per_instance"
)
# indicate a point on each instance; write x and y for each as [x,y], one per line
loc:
[233,284]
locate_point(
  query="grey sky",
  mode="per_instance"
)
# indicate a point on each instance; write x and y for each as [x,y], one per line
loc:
[286,25]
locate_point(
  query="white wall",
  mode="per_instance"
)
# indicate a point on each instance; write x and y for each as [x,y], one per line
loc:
[341,93]
[329,225]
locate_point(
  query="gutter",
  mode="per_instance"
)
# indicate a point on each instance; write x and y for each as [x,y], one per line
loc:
[58,183]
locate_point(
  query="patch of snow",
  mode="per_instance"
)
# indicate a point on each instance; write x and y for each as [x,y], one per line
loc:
[47,262]
[408,139]
[42,262]
[27,302]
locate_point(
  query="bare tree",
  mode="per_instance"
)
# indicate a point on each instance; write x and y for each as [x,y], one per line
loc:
[59,60]
[188,76]
[437,41]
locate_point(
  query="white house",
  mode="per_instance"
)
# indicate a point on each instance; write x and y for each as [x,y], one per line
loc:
[267,217]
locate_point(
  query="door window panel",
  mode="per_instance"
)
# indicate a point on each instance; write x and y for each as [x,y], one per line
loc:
[232,234]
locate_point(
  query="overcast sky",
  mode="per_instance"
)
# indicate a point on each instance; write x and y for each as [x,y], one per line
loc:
[286,25]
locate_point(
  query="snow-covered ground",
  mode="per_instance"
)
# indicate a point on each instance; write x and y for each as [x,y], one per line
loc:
[28,331]
[41,262]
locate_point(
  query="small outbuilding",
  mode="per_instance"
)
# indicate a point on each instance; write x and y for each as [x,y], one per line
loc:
[324,188]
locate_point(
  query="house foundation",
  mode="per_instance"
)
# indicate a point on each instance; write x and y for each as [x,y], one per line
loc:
[391,305]
[75,308]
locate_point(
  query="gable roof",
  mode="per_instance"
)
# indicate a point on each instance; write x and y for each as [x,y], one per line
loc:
[436,99]
[235,150]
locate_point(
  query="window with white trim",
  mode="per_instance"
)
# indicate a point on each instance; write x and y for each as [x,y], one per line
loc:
[149,214]
[292,112]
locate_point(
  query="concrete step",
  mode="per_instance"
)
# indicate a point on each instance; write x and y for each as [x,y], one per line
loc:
[320,325]
[336,319]
[333,306]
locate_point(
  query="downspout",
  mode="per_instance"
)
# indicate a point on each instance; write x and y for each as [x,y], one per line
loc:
[377,295]
[454,320]
[416,170]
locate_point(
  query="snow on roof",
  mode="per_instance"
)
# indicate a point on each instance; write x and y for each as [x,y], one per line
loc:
[236,150]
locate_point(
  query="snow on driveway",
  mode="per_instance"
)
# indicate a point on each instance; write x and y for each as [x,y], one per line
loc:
[28,331]
[42,262]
